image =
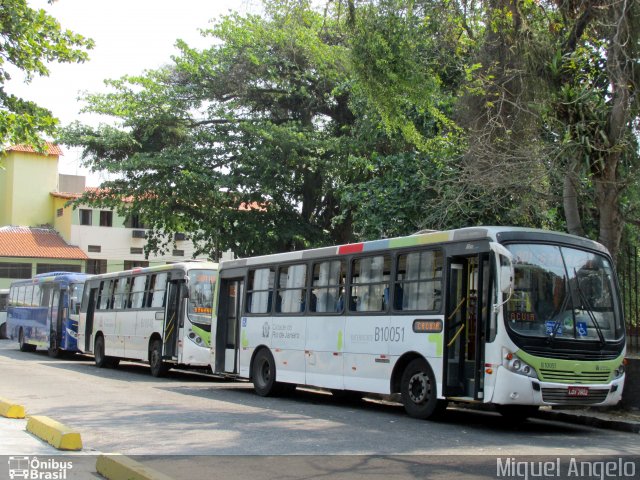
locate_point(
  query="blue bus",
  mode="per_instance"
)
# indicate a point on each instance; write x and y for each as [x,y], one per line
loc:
[43,312]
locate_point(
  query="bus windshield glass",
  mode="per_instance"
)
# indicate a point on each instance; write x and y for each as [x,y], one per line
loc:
[201,287]
[563,293]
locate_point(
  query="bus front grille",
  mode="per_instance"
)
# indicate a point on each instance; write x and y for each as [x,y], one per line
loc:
[568,376]
[561,396]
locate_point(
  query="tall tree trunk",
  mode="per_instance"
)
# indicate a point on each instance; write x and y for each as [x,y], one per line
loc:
[607,183]
[570,198]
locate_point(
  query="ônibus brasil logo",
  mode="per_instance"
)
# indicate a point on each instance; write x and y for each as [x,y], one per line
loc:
[36,469]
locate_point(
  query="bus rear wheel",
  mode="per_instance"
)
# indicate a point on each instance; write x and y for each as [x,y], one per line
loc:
[102,361]
[419,391]
[24,346]
[158,367]
[263,374]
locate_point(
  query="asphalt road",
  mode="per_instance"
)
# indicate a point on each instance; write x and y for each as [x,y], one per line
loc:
[191,415]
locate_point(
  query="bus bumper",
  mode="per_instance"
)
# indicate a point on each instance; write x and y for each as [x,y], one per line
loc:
[513,389]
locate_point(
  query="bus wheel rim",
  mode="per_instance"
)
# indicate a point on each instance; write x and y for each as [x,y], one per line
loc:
[418,387]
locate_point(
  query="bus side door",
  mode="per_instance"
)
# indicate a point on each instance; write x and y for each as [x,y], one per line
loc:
[467,309]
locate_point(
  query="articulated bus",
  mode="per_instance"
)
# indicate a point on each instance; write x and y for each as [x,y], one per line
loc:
[161,315]
[512,317]
[43,312]
[4,303]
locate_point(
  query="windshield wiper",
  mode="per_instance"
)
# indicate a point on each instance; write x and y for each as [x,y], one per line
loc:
[558,322]
[587,308]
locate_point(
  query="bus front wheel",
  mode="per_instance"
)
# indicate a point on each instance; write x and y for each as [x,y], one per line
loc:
[419,391]
[24,346]
[3,330]
[263,374]
[158,367]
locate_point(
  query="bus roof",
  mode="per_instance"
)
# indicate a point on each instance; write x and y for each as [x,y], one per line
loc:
[54,277]
[185,266]
[499,234]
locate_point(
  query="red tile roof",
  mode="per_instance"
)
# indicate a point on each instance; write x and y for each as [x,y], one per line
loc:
[66,195]
[52,149]
[36,243]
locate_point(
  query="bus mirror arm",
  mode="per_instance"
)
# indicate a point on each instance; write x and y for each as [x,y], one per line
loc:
[496,306]
[506,273]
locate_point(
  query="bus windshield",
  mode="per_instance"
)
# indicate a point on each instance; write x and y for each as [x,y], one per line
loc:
[201,287]
[563,293]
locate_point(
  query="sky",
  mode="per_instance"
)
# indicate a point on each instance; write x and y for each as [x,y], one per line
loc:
[131,36]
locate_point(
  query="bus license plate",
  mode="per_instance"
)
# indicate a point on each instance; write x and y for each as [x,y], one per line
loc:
[578,392]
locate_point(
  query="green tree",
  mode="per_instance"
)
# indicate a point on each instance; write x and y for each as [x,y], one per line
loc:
[243,143]
[29,41]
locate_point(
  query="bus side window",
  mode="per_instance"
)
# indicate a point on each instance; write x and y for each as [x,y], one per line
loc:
[259,293]
[328,282]
[159,290]
[369,279]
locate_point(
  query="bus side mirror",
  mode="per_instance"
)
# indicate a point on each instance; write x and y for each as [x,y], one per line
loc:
[506,275]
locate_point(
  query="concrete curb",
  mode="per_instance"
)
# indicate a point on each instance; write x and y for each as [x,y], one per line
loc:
[120,467]
[55,433]
[9,409]
[590,421]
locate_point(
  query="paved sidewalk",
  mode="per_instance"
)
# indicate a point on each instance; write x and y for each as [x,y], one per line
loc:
[19,447]
[612,419]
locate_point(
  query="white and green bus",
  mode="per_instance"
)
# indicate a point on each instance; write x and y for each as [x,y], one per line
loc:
[512,317]
[160,315]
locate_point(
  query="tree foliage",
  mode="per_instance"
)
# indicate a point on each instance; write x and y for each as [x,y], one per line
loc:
[370,119]
[30,40]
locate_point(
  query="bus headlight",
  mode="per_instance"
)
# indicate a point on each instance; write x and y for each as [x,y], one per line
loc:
[516,365]
[618,372]
[195,338]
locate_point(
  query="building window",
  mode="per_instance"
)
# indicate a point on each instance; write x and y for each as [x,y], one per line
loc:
[94,248]
[106,218]
[136,250]
[180,236]
[95,267]
[59,212]
[56,267]
[133,221]
[178,253]
[128,264]
[85,217]
[15,270]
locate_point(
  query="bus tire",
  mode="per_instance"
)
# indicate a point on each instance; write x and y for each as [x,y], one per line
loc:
[263,374]
[419,391]
[158,367]
[98,352]
[3,330]
[24,346]
[54,350]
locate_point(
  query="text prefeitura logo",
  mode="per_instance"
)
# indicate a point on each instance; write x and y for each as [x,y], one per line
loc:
[565,468]
[38,469]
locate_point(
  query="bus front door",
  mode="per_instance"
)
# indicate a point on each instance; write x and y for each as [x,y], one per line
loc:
[227,328]
[88,327]
[173,319]
[466,315]
[55,323]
